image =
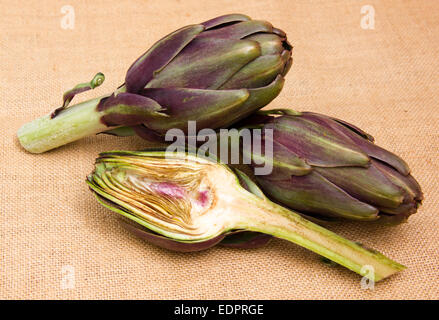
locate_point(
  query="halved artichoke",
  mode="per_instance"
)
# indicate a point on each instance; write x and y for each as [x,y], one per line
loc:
[193,200]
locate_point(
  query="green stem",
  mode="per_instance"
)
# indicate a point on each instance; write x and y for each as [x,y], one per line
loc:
[270,218]
[73,123]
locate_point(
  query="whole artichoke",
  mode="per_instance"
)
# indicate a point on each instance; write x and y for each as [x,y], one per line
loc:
[327,168]
[216,72]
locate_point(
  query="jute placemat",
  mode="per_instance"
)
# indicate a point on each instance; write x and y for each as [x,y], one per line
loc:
[57,242]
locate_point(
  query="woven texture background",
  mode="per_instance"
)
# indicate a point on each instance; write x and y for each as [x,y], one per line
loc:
[385,80]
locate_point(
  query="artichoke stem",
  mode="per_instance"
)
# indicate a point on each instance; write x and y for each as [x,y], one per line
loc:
[73,123]
[266,217]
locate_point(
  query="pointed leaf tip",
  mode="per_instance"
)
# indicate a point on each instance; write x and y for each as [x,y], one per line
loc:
[225,19]
[128,109]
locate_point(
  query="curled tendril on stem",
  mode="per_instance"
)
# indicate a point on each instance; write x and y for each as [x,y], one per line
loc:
[97,80]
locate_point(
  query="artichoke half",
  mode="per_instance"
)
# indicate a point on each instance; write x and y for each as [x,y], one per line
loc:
[184,202]
[216,72]
[330,169]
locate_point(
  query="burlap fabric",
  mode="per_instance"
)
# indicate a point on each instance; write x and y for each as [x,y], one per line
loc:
[57,242]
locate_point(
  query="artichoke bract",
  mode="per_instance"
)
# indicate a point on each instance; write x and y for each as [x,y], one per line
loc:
[328,169]
[216,73]
[185,202]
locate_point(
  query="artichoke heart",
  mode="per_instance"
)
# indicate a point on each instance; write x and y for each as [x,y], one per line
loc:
[174,197]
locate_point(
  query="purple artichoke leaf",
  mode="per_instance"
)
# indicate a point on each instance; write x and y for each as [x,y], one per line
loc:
[258,73]
[314,193]
[366,184]
[405,182]
[276,112]
[168,243]
[259,98]
[280,33]
[215,61]
[284,162]
[405,209]
[320,146]
[224,20]
[239,30]
[158,56]
[363,140]
[128,109]
[120,132]
[393,219]
[355,129]
[184,104]
[246,240]
[270,43]
[287,66]
[379,153]
[147,134]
